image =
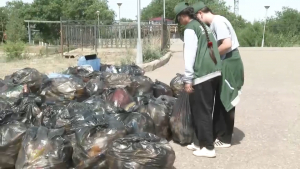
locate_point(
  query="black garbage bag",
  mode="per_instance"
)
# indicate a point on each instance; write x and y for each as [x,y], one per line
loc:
[84,72]
[116,80]
[167,101]
[100,105]
[133,70]
[92,141]
[141,85]
[109,68]
[160,115]
[140,151]
[142,103]
[7,113]
[139,122]
[10,144]
[181,121]
[57,117]
[32,77]
[11,91]
[6,103]
[121,98]
[63,90]
[95,86]
[177,84]
[160,88]
[28,108]
[44,148]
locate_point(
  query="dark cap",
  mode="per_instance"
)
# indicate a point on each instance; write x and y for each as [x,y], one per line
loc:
[179,8]
[198,6]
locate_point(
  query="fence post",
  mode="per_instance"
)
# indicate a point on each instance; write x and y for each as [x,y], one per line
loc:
[95,35]
[61,38]
[47,50]
[67,37]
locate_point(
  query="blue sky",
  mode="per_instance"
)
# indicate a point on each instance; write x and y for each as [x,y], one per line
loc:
[249,9]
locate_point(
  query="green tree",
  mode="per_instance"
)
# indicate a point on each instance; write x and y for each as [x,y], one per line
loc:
[15,28]
[83,10]
[126,20]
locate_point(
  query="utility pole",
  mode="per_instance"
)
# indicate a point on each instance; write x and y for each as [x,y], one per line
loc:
[139,56]
[119,4]
[236,7]
[164,10]
[263,40]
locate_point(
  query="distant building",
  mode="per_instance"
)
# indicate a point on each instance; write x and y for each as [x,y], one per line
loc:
[158,20]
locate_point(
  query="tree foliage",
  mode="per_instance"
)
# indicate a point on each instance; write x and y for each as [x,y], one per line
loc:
[53,10]
[282,30]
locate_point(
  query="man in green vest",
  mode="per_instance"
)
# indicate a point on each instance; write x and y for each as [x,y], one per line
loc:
[232,73]
[202,76]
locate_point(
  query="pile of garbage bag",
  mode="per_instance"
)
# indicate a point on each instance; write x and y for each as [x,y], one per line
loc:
[114,118]
[142,151]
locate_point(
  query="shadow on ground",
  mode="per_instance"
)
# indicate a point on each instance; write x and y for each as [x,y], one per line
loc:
[238,136]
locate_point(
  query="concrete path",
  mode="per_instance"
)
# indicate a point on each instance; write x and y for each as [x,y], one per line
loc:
[267,128]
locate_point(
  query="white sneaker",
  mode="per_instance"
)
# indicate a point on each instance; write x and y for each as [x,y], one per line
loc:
[220,144]
[193,147]
[204,152]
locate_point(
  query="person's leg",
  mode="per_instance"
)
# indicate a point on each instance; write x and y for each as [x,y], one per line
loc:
[226,137]
[202,101]
[218,120]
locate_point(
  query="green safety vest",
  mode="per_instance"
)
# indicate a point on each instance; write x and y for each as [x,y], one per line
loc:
[232,79]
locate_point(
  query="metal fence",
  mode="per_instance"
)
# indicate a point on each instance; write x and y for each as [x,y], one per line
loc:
[91,34]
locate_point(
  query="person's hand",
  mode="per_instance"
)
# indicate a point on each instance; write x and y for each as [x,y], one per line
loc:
[188,88]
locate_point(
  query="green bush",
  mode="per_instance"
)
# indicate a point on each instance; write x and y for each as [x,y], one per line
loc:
[151,52]
[14,50]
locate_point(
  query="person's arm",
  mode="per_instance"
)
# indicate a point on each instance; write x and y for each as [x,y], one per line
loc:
[225,46]
[223,37]
[190,50]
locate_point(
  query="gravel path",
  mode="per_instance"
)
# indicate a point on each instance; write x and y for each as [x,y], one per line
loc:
[267,128]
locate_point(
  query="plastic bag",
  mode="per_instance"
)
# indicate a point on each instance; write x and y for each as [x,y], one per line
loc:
[98,104]
[80,71]
[121,98]
[160,115]
[177,84]
[95,86]
[114,80]
[12,91]
[28,107]
[181,121]
[139,122]
[140,151]
[133,70]
[167,101]
[10,144]
[92,141]
[141,85]
[44,148]
[29,76]
[57,117]
[63,90]
[160,88]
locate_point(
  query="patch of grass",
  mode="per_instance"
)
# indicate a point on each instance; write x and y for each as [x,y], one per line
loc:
[128,59]
[14,50]
[152,50]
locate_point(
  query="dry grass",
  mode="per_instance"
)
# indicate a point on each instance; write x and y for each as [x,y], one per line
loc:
[56,63]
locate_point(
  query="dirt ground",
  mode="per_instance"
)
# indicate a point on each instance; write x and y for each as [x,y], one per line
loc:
[267,127]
